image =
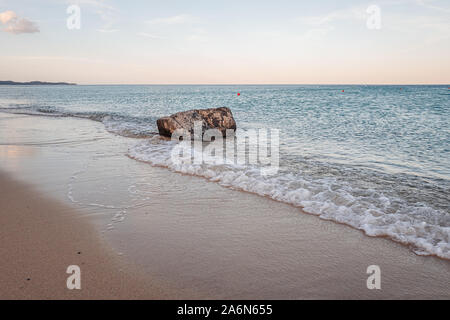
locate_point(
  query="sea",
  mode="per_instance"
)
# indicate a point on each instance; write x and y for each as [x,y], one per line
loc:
[374,157]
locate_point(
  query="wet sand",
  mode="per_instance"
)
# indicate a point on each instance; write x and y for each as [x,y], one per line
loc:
[188,238]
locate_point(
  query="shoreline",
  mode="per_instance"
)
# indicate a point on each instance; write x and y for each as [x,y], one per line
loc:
[186,238]
[406,245]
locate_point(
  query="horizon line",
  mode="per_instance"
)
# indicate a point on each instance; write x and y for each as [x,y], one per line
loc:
[263,84]
[235,84]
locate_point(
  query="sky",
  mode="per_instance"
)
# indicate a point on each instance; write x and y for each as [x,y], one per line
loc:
[226,42]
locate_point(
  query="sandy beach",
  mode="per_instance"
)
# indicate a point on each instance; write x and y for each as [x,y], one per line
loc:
[71,196]
[222,158]
[41,237]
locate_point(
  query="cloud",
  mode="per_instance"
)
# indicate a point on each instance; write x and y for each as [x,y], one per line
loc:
[107,13]
[344,14]
[428,4]
[432,27]
[107,30]
[16,25]
[7,16]
[94,3]
[178,19]
[151,36]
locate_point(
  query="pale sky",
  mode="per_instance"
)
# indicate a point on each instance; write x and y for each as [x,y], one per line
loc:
[227,42]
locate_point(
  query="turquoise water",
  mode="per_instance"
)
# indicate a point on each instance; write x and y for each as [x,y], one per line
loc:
[373,157]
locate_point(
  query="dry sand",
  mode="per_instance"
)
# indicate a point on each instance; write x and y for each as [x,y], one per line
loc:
[41,237]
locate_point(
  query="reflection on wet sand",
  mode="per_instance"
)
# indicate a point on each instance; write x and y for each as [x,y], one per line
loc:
[12,151]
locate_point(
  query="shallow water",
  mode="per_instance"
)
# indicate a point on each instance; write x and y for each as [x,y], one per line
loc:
[373,157]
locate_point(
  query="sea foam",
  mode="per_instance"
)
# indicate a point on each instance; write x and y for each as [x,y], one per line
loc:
[372,211]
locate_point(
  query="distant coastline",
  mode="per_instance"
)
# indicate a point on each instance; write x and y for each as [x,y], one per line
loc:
[35,83]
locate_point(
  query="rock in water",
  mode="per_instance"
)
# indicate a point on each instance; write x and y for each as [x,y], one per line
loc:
[214,118]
